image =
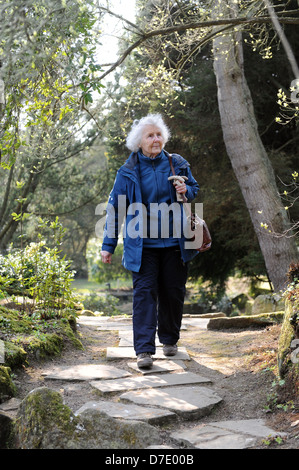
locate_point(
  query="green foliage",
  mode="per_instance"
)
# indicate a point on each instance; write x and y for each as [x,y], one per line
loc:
[27,336]
[105,273]
[49,69]
[106,304]
[42,43]
[38,272]
[274,401]
[191,111]
[212,298]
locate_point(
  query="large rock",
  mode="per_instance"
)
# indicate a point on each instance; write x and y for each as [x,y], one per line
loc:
[44,422]
[267,303]
[289,336]
[244,321]
[288,354]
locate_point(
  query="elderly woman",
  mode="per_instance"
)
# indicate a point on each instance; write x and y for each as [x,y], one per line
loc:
[158,262]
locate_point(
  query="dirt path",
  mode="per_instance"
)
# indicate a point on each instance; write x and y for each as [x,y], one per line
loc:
[242,365]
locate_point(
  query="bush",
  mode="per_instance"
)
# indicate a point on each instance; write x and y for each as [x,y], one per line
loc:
[39,273]
[103,273]
[105,304]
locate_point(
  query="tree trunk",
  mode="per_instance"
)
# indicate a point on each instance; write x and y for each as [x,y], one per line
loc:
[248,157]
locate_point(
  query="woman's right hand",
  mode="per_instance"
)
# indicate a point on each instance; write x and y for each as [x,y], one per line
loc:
[106,257]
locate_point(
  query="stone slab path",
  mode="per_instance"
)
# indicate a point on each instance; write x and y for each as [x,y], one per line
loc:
[153,381]
[85,372]
[239,434]
[166,393]
[131,412]
[129,353]
[188,402]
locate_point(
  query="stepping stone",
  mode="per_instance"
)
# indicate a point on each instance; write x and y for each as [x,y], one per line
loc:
[129,353]
[10,405]
[153,381]
[86,372]
[129,411]
[239,434]
[126,339]
[254,427]
[187,402]
[209,437]
[159,366]
[104,324]
[196,322]
[114,327]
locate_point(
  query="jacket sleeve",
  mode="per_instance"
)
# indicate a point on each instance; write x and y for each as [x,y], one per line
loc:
[116,208]
[192,185]
[183,168]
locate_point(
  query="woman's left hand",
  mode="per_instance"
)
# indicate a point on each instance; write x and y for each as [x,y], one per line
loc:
[181,188]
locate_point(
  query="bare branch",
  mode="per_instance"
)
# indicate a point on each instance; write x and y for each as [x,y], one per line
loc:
[112,13]
[283,38]
[229,22]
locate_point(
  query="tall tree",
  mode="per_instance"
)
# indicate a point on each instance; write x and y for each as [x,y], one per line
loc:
[179,30]
[247,153]
[49,71]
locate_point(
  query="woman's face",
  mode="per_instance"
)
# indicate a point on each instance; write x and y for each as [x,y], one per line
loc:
[151,141]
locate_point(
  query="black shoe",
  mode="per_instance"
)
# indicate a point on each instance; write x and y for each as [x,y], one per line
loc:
[170,349]
[144,360]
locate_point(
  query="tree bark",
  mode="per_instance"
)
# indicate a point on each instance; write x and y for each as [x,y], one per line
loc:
[247,154]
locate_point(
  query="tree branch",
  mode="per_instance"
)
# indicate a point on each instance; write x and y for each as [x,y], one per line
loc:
[48,214]
[112,13]
[283,38]
[229,22]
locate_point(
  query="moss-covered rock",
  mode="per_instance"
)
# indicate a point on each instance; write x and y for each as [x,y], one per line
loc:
[15,355]
[14,321]
[47,345]
[267,303]
[87,313]
[287,335]
[7,387]
[26,337]
[288,354]
[68,330]
[262,320]
[44,422]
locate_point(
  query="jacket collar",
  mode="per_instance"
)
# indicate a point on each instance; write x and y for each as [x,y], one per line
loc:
[133,160]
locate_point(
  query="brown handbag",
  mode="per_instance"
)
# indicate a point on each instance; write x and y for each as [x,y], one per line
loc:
[196,222]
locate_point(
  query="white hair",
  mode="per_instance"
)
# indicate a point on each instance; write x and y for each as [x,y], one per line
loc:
[135,134]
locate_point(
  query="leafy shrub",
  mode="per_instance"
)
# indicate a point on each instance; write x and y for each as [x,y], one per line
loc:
[106,304]
[39,273]
[103,273]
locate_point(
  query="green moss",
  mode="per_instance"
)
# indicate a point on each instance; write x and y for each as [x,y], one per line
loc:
[287,334]
[49,344]
[41,415]
[68,331]
[14,321]
[7,387]
[246,321]
[27,336]
[15,355]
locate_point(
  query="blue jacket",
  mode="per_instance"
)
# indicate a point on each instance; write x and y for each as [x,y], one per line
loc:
[128,185]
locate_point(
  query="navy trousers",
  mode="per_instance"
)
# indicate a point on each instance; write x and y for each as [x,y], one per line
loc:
[158,298]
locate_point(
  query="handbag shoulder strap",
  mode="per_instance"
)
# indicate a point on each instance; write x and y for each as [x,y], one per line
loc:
[170,163]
